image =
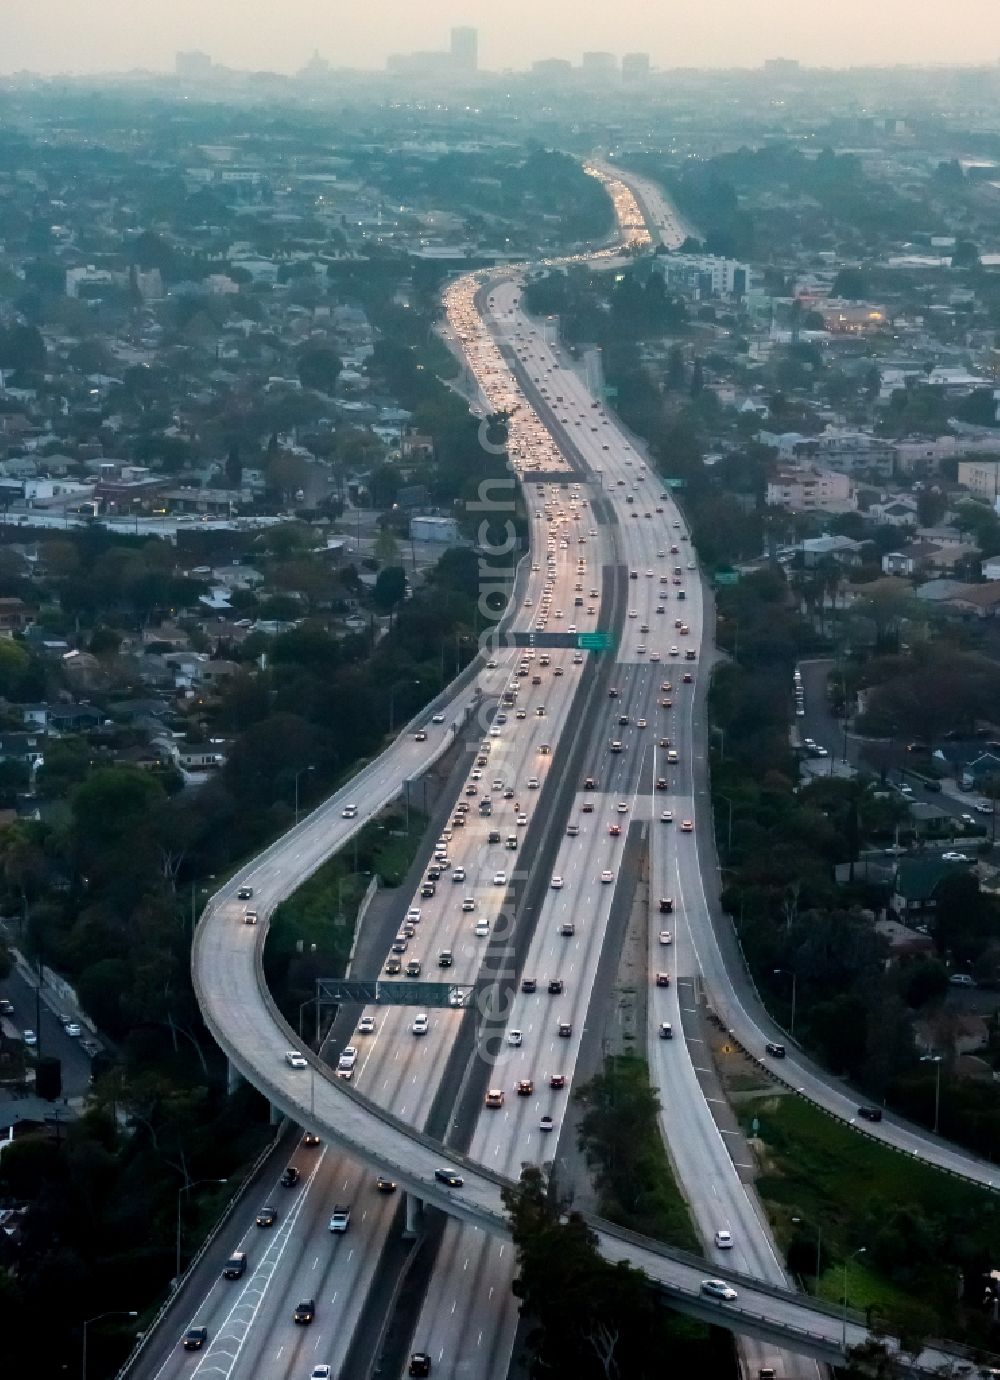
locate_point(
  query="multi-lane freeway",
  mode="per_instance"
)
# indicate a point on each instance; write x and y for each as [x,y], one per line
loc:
[467,1321]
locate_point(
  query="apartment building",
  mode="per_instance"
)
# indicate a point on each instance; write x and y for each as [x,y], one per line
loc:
[807,488]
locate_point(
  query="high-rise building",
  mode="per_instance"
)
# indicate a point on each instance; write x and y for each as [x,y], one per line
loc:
[635,67]
[192,65]
[599,64]
[465,48]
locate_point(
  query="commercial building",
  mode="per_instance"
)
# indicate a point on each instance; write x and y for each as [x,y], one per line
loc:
[193,65]
[635,67]
[465,48]
[599,65]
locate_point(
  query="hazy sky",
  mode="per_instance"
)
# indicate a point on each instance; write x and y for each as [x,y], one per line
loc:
[106,35]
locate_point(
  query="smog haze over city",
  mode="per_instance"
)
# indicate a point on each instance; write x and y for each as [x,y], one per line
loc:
[499,690]
[68,36]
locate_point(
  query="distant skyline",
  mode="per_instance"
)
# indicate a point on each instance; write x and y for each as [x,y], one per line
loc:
[51,36]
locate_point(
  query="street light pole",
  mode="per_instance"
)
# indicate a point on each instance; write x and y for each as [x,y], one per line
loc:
[860,1251]
[800,1221]
[112,1313]
[297,775]
[184,1188]
[729,830]
[788,972]
[935,1059]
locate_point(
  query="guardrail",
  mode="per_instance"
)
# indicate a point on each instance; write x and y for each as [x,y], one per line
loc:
[175,1294]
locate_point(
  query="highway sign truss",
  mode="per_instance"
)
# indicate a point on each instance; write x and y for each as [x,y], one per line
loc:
[588,641]
[396,992]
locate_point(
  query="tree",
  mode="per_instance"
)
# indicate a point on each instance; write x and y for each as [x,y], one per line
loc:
[587,1319]
[390,588]
[319,367]
[850,283]
[234,467]
[387,547]
[48,1078]
[23,350]
[674,378]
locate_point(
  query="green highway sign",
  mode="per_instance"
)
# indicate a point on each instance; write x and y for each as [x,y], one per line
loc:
[595,642]
[403,992]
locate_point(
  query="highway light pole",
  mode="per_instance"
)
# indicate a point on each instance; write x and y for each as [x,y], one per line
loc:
[729,830]
[400,685]
[795,983]
[801,1222]
[112,1313]
[184,1188]
[935,1059]
[860,1251]
[297,775]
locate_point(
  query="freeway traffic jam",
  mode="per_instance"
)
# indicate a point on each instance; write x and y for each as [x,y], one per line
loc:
[606,533]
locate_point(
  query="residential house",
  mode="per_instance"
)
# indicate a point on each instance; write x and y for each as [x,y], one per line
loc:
[976,601]
[23,747]
[844,550]
[915,885]
[14,616]
[895,512]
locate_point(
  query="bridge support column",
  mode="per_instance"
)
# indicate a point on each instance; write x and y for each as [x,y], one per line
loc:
[233,1077]
[276,1116]
[414,1216]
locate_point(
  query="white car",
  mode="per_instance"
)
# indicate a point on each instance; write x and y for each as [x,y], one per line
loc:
[73,1030]
[421,1024]
[413,915]
[667,817]
[366,1025]
[607,875]
[724,1239]
[349,812]
[437,718]
[514,1038]
[719,1289]
[945,857]
[321,1373]
[666,937]
[294,1059]
[29,1037]
[482,929]
[348,1057]
[557,883]
[500,878]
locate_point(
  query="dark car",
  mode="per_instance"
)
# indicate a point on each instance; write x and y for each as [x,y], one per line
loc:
[310,1138]
[555,986]
[267,1217]
[305,1311]
[245,893]
[564,1029]
[666,905]
[235,1267]
[870,1113]
[420,1363]
[195,1338]
[290,1177]
[529,985]
[6,1007]
[775,1051]
[384,1185]
[449,1177]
